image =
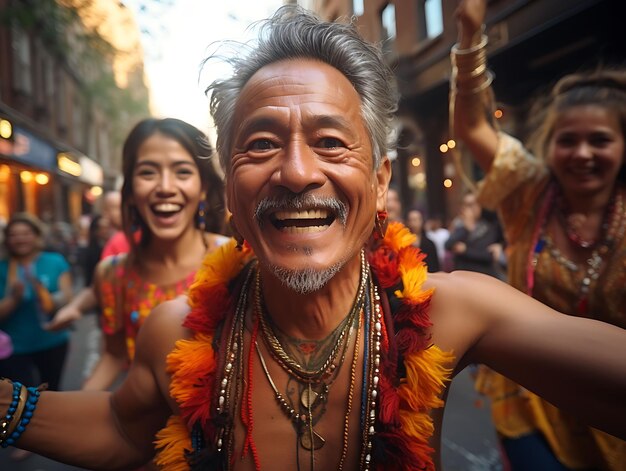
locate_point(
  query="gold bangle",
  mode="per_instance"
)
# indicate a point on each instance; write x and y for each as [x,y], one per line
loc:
[489,76]
[465,76]
[471,50]
[469,61]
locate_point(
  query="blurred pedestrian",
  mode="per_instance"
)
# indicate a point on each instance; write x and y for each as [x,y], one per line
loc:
[33,284]
[112,210]
[439,234]
[476,242]
[415,222]
[394,206]
[117,243]
[100,231]
[564,217]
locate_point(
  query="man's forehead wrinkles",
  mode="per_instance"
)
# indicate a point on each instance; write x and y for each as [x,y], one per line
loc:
[274,120]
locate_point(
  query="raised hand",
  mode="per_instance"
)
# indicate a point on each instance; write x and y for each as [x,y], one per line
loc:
[470,16]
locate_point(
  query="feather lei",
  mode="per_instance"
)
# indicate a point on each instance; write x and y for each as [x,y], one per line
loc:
[413,371]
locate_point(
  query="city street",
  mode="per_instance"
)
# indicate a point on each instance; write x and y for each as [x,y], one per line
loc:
[468,442]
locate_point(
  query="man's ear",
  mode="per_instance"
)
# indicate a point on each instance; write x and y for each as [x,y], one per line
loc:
[383,177]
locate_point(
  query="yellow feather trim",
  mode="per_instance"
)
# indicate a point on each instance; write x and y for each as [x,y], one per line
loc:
[173,442]
[427,373]
[413,273]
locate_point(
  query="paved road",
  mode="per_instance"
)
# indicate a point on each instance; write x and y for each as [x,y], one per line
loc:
[468,442]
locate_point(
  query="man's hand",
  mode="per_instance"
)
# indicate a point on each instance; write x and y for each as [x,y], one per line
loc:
[470,16]
[64,317]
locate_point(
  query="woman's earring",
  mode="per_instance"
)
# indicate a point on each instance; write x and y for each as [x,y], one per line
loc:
[201,216]
[236,235]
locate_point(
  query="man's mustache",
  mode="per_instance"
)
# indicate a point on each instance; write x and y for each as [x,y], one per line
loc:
[299,201]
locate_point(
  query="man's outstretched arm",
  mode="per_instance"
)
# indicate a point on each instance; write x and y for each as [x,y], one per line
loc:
[577,364]
[108,431]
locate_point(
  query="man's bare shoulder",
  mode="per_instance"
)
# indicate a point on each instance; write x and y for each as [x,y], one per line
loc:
[163,328]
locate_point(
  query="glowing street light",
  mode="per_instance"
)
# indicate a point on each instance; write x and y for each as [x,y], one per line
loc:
[42,178]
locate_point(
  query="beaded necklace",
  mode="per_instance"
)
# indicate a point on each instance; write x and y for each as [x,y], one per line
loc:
[613,227]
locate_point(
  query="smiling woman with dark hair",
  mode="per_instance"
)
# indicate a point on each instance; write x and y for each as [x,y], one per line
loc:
[172,210]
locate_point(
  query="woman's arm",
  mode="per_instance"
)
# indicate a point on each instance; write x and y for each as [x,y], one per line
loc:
[83,302]
[470,85]
[65,288]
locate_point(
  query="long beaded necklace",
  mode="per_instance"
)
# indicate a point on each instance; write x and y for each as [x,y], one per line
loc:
[613,228]
[371,365]
[311,397]
[233,368]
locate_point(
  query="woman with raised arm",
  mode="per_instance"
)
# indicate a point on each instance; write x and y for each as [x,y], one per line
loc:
[562,207]
[172,206]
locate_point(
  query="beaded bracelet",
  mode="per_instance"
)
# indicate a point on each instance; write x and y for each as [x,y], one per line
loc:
[29,406]
[10,420]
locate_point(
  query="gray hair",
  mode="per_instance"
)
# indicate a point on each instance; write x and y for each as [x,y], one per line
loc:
[295,33]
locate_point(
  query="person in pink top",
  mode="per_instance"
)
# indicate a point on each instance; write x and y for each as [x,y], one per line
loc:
[112,209]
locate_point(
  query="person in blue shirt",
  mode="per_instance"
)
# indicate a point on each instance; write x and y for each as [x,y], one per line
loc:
[33,283]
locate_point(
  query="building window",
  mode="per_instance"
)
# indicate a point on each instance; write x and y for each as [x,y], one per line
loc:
[389,21]
[22,61]
[357,7]
[433,17]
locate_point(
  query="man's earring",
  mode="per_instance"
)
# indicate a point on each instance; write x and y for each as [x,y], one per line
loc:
[236,235]
[381,224]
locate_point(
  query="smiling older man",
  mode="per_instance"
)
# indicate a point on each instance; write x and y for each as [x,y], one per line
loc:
[315,340]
